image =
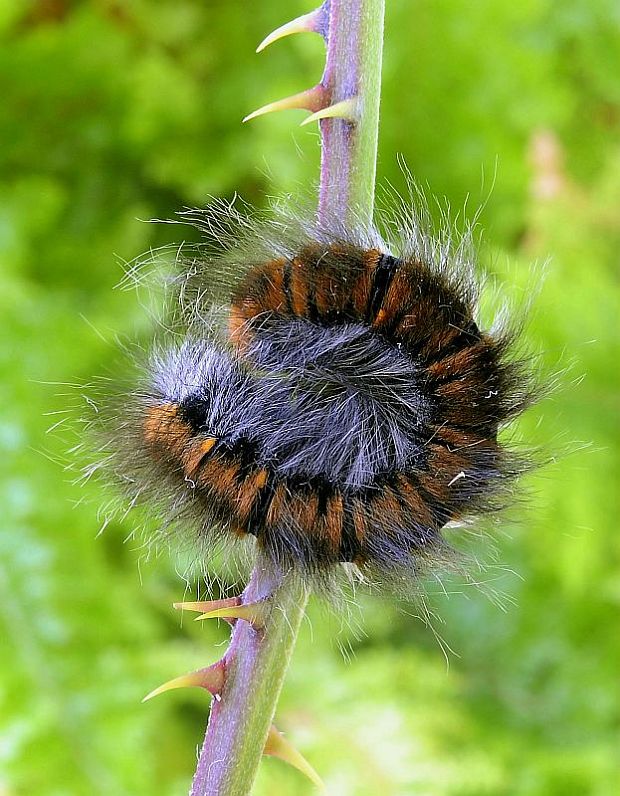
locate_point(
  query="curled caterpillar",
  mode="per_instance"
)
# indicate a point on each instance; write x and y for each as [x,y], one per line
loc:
[327,399]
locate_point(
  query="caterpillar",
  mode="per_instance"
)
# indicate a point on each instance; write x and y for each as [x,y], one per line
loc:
[326,401]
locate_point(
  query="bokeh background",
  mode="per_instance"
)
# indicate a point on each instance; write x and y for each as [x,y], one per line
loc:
[112,113]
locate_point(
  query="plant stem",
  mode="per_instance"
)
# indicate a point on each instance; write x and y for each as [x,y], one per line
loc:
[352,70]
[255,665]
[257,659]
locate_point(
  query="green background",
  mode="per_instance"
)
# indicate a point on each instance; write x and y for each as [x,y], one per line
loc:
[116,112]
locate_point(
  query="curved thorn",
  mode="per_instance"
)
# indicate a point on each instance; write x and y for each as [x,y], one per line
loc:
[314,22]
[254,613]
[207,605]
[346,109]
[211,678]
[278,746]
[309,100]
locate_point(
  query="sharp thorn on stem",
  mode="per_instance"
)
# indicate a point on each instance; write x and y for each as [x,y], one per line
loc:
[254,613]
[310,100]
[278,746]
[314,22]
[203,606]
[346,109]
[211,678]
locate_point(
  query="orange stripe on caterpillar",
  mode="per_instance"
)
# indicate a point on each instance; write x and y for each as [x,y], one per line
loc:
[359,522]
[238,328]
[332,291]
[456,439]
[248,494]
[299,287]
[275,506]
[194,454]
[333,523]
[164,431]
[168,435]
[360,292]
[219,476]
[262,291]
[465,361]
[387,511]
[414,501]
[445,464]
[300,513]
[399,295]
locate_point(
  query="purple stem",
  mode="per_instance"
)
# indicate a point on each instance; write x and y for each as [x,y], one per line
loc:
[255,665]
[336,134]
[225,718]
[353,31]
[257,659]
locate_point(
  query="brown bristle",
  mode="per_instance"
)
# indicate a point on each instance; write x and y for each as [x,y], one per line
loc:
[164,431]
[275,506]
[386,508]
[248,492]
[299,288]
[194,454]
[262,291]
[333,522]
[359,522]
[459,439]
[413,500]
[238,330]
[398,296]
[360,290]
[302,511]
[446,465]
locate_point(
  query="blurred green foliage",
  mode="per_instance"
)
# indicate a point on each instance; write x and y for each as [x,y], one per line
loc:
[116,112]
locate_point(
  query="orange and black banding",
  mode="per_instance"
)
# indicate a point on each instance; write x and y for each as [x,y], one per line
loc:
[325,285]
[252,500]
[466,392]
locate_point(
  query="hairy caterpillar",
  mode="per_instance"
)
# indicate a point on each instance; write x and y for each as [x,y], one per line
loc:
[325,399]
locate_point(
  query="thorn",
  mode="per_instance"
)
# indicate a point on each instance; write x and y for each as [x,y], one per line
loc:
[346,109]
[207,605]
[309,100]
[211,678]
[313,22]
[254,613]
[278,746]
